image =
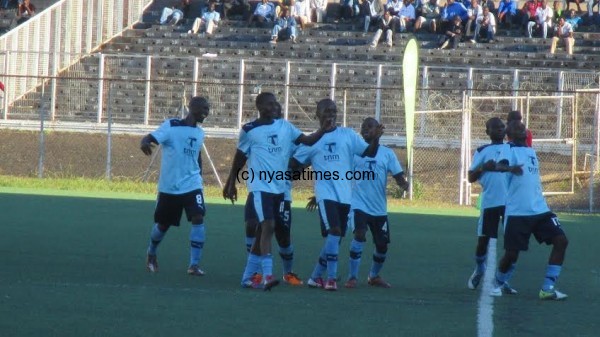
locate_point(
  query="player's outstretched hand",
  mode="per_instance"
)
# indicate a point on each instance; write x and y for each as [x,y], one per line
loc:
[378,131]
[230,192]
[311,206]
[146,147]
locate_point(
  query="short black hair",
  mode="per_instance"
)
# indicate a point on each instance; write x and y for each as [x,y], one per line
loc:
[516,130]
[196,101]
[514,115]
[491,121]
[260,99]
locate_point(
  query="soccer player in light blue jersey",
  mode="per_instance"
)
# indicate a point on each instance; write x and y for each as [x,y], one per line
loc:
[527,213]
[369,206]
[266,143]
[493,195]
[283,227]
[180,181]
[331,158]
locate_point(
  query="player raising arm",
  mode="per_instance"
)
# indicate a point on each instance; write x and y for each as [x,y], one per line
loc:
[180,181]
[333,153]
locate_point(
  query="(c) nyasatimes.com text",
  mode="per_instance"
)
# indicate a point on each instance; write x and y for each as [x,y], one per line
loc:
[270,176]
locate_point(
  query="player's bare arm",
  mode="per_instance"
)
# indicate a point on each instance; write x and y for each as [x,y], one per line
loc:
[229,190]
[488,166]
[314,137]
[502,166]
[147,143]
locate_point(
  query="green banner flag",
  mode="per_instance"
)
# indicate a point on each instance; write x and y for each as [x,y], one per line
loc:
[410,70]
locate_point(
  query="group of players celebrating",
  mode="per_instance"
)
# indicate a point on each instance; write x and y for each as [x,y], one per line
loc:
[508,173]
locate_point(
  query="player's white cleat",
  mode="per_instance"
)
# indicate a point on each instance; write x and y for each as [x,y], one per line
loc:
[504,289]
[474,280]
[552,294]
[151,263]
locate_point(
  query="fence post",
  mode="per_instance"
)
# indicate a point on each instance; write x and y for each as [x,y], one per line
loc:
[332,81]
[100,89]
[286,109]
[463,151]
[378,93]
[241,94]
[148,88]
[109,134]
[196,75]
[345,113]
[42,150]
[424,99]
[53,86]
[7,83]
[596,147]
[515,86]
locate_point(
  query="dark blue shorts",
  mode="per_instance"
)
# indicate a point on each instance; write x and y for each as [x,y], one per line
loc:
[333,214]
[378,225]
[518,230]
[489,220]
[169,207]
[263,206]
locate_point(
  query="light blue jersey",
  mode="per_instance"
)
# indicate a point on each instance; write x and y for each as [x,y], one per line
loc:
[369,195]
[524,195]
[493,184]
[268,148]
[332,156]
[180,170]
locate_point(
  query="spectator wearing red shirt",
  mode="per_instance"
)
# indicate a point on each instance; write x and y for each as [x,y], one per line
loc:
[529,11]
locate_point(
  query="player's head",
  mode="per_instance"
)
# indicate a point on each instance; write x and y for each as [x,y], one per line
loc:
[514,115]
[516,132]
[368,126]
[266,104]
[278,113]
[326,111]
[199,108]
[495,128]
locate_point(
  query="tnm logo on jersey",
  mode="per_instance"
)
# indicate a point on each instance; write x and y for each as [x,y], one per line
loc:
[330,152]
[533,169]
[191,141]
[273,140]
[371,164]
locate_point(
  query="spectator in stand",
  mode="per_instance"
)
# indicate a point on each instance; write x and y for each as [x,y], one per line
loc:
[171,15]
[186,6]
[558,12]
[264,13]
[590,7]
[300,10]
[507,12]
[386,28]
[449,12]
[567,4]
[285,27]
[236,8]
[394,7]
[430,16]
[573,19]
[453,35]
[319,8]
[473,11]
[209,21]
[25,11]
[543,20]
[349,9]
[564,34]
[372,12]
[485,23]
[528,12]
[406,16]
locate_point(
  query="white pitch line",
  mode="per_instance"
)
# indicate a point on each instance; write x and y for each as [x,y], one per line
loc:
[485,310]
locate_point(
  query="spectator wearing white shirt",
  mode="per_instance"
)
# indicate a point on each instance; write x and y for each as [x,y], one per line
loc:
[319,7]
[474,11]
[543,20]
[372,12]
[430,15]
[564,34]
[394,7]
[300,10]
[487,23]
[171,15]
[406,16]
[209,21]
